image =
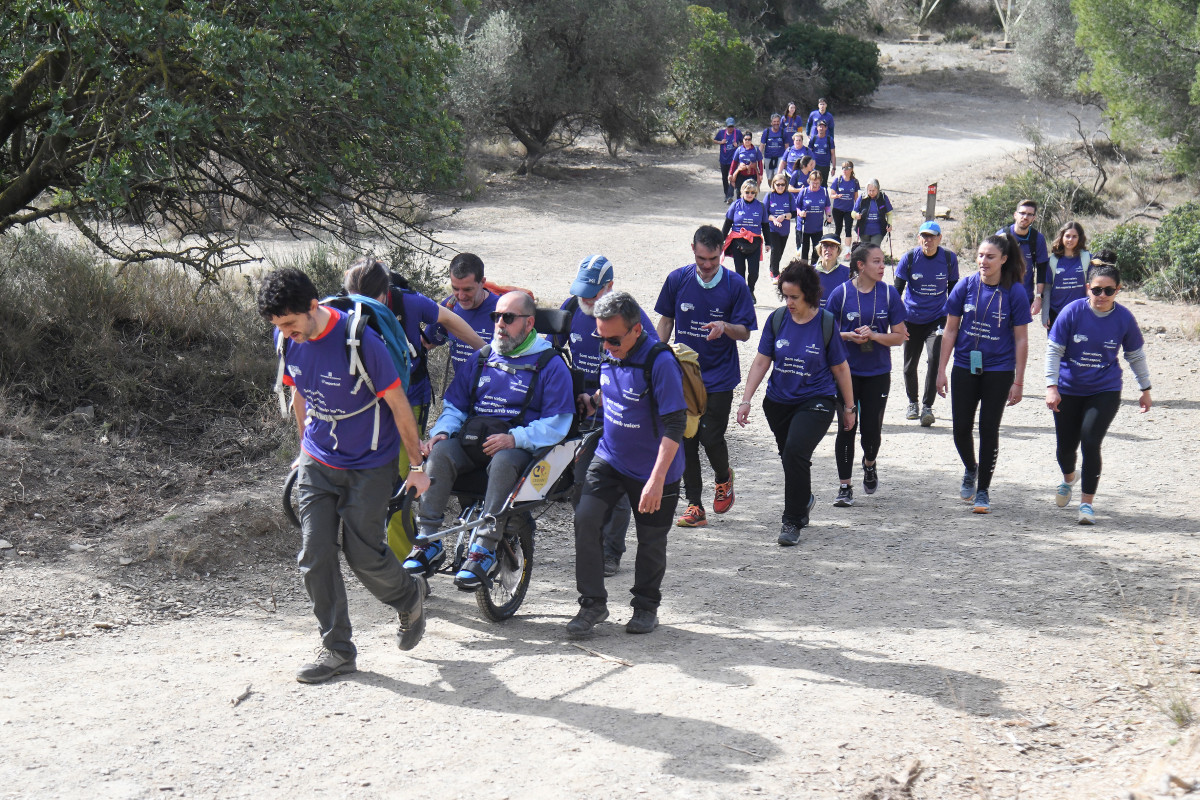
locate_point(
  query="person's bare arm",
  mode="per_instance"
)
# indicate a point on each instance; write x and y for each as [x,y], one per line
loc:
[664,328]
[1021,337]
[300,410]
[458,326]
[949,336]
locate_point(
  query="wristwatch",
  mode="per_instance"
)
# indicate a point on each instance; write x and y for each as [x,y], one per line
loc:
[416,467]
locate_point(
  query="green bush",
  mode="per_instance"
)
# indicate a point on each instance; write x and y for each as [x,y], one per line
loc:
[1130,243]
[849,65]
[1059,200]
[961,34]
[1175,256]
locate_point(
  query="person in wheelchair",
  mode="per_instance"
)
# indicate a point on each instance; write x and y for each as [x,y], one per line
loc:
[515,398]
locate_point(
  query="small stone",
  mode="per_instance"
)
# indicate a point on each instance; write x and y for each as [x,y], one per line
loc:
[39,516]
[76,547]
[124,561]
[5,544]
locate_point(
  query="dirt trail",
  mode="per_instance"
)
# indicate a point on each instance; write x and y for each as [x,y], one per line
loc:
[1013,655]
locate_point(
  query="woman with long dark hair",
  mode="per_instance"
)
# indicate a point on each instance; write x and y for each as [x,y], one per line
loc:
[1083,378]
[746,228]
[1066,276]
[987,319]
[808,369]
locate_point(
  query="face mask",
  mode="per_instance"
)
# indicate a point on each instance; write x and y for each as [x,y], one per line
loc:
[715,279]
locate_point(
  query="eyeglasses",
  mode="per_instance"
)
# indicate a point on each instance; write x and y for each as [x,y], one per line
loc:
[1107,291]
[507,316]
[611,341]
[1026,213]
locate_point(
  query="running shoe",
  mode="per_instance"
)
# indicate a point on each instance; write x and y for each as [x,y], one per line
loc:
[845,497]
[983,503]
[480,564]
[870,477]
[967,490]
[927,417]
[789,534]
[914,411]
[694,517]
[1062,496]
[812,501]
[723,501]
[1087,516]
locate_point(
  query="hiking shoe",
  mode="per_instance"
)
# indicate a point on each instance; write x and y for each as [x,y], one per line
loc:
[1087,516]
[723,501]
[789,534]
[845,497]
[643,621]
[328,663]
[478,567]
[1062,496]
[611,566]
[694,517]
[927,417]
[870,477]
[812,501]
[913,412]
[589,617]
[412,622]
[967,490]
[983,503]
[426,557]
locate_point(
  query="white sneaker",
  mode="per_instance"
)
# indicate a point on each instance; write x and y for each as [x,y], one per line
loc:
[1086,515]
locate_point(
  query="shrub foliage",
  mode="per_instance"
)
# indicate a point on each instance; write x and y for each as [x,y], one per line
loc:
[849,65]
[1175,256]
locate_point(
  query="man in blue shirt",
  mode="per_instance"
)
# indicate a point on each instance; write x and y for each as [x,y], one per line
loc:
[710,309]
[1033,248]
[638,458]
[512,398]
[346,475]
[470,300]
[820,114]
[730,139]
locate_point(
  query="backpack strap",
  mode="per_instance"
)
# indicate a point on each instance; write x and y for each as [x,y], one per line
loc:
[481,359]
[776,321]
[648,374]
[485,352]
[281,354]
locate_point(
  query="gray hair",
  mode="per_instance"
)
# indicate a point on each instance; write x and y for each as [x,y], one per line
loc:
[875,182]
[619,304]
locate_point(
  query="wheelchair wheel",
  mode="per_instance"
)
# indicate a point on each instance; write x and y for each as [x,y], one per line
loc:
[504,596]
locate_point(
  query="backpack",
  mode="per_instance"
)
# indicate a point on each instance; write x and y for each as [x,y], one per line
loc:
[694,393]
[1085,258]
[912,254]
[362,312]
[827,323]
[861,223]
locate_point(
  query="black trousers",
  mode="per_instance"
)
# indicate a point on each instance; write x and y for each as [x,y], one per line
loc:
[805,240]
[725,181]
[840,219]
[927,336]
[778,243]
[746,265]
[870,394]
[1082,421]
[824,173]
[602,488]
[986,393]
[798,429]
[712,436]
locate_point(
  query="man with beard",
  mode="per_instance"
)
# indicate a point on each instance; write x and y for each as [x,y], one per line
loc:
[593,281]
[511,398]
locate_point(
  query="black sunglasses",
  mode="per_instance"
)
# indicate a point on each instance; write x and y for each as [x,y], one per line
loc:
[507,316]
[1107,291]
[611,341]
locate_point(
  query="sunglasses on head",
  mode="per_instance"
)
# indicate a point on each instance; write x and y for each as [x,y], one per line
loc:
[1107,291]
[611,341]
[507,316]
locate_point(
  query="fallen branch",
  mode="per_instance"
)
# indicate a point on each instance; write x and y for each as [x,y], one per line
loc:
[740,750]
[613,659]
[235,702]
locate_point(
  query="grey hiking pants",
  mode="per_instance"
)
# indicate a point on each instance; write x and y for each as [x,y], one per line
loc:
[447,461]
[358,499]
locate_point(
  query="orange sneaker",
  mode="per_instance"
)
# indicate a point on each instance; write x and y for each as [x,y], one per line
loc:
[724,495]
[694,517]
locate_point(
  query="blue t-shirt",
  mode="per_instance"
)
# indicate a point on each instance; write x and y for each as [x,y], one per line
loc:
[789,126]
[799,179]
[1070,283]
[928,282]
[815,204]
[815,116]
[480,320]
[1035,253]
[320,371]
[747,216]
[1089,365]
[881,309]
[418,310]
[846,190]
[822,148]
[729,143]
[586,350]
[800,363]
[691,305]
[746,156]
[773,142]
[873,210]
[502,393]
[792,156]
[631,436]
[779,203]
[831,280]
[987,315]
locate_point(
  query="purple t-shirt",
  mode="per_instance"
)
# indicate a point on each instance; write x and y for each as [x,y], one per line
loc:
[779,203]
[1070,283]
[586,350]
[845,189]
[880,308]
[799,179]
[691,305]
[480,320]
[631,436]
[822,149]
[815,116]
[1089,365]
[501,393]
[831,280]
[988,315]
[746,156]
[418,310]
[729,143]
[927,282]
[789,125]
[747,216]
[815,205]
[800,362]
[873,210]
[319,369]
[773,142]
[792,156]
[1035,253]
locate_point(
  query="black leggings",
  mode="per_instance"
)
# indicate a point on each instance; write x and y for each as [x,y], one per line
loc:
[798,429]
[744,265]
[925,336]
[870,394]
[1083,421]
[778,244]
[804,240]
[712,435]
[842,219]
[987,393]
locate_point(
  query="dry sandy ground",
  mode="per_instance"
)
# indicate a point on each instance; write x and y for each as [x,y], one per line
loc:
[1012,655]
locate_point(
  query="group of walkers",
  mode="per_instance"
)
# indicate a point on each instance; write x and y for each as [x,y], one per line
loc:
[824,355]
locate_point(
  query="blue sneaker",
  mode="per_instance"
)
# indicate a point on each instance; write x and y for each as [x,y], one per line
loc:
[967,490]
[1062,495]
[1087,516]
[425,558]
[477,569]
[983,503]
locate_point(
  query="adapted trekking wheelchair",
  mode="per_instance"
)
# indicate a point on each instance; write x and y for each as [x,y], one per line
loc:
[548,478]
